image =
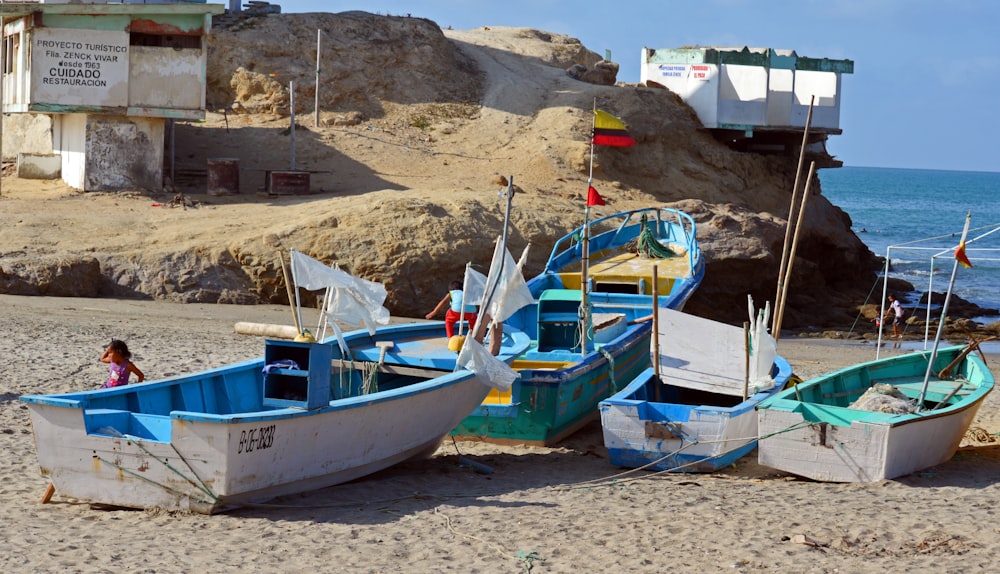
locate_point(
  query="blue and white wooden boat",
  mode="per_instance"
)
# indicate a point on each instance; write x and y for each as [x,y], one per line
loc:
[306,415]
[586,344]
[819,430]
[230,435]
[697,414]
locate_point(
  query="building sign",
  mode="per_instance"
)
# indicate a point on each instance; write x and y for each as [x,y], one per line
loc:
[79,67]
[699,72]
[672,70]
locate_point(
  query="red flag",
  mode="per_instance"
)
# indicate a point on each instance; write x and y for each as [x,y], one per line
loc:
[593,198]
[960,255]
[610,131]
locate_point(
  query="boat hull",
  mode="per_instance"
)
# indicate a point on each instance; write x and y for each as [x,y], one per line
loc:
[209,464]
[642,432]
[547,405]
[819,438]
[147,446]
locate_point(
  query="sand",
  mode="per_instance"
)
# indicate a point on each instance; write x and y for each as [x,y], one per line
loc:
[541,510]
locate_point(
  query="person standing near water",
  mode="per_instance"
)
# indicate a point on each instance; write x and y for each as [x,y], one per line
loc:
[895,311]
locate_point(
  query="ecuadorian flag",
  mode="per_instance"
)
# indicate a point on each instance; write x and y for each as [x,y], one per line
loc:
[610,131]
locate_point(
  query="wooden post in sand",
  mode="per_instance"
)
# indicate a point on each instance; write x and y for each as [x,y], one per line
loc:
[656,327]
[778,297]
[319,42]
[49,491]
[791,254]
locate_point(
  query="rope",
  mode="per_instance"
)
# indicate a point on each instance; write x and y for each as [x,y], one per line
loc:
[200,485]
[613,480]
[611,369]
[163,486]
[867,299]
[369,374]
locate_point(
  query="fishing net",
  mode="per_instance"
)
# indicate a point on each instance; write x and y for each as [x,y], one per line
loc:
[647,245]
[884,398]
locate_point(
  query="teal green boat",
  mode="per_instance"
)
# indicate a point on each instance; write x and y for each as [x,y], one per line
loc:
[587,345]
[560,386]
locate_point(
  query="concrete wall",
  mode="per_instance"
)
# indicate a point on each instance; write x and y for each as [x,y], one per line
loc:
[123,153]
[69,138]
[26,133]
[162,77]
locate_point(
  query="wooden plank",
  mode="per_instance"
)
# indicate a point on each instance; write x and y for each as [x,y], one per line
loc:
[390,369]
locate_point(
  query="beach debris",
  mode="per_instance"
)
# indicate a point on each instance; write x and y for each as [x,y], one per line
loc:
[479,467]
[181,200]
[803,539]
[979,434]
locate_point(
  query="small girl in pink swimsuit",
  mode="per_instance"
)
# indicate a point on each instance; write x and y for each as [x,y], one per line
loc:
[118,355]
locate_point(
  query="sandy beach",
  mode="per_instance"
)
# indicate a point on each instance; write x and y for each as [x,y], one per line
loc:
[563,509]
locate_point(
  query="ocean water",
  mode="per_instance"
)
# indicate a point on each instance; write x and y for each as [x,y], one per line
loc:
[916,215]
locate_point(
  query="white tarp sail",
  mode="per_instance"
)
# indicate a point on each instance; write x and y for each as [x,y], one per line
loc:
[351,300]
[763,347]
[505,287]
[701,354]
[491,370]
[474,286]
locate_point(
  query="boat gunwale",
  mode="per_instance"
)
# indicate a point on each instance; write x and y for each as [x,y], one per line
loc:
[79,399]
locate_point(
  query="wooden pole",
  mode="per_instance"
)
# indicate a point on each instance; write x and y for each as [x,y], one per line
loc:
[791,253]
[291,107]
[791,215]
[656,320]
[319,42]
[746,347]
[656,331]
[266,330]
[272,241]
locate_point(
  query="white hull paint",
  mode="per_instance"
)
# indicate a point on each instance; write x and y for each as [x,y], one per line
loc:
[233,435]
[207,465]
[863,451]
[812,431]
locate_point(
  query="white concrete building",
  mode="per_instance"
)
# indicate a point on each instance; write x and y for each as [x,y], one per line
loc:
[755,98]
[109,75]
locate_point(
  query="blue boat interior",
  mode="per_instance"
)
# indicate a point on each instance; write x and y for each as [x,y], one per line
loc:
[299,377]
[652,390]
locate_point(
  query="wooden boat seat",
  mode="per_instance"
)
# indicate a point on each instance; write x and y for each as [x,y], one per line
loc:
[936,390]
[142,425]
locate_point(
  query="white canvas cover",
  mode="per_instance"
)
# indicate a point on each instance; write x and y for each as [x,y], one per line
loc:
[351,300]
[505,288]
[474,286]
[702,354]
[494,372]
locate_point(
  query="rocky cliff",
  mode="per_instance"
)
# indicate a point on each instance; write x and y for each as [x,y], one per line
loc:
[416,124]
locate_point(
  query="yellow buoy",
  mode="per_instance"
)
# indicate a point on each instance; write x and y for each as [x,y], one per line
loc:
[455,342]
[305,337]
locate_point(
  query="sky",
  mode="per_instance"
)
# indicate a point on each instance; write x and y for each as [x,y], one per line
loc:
[925,92]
